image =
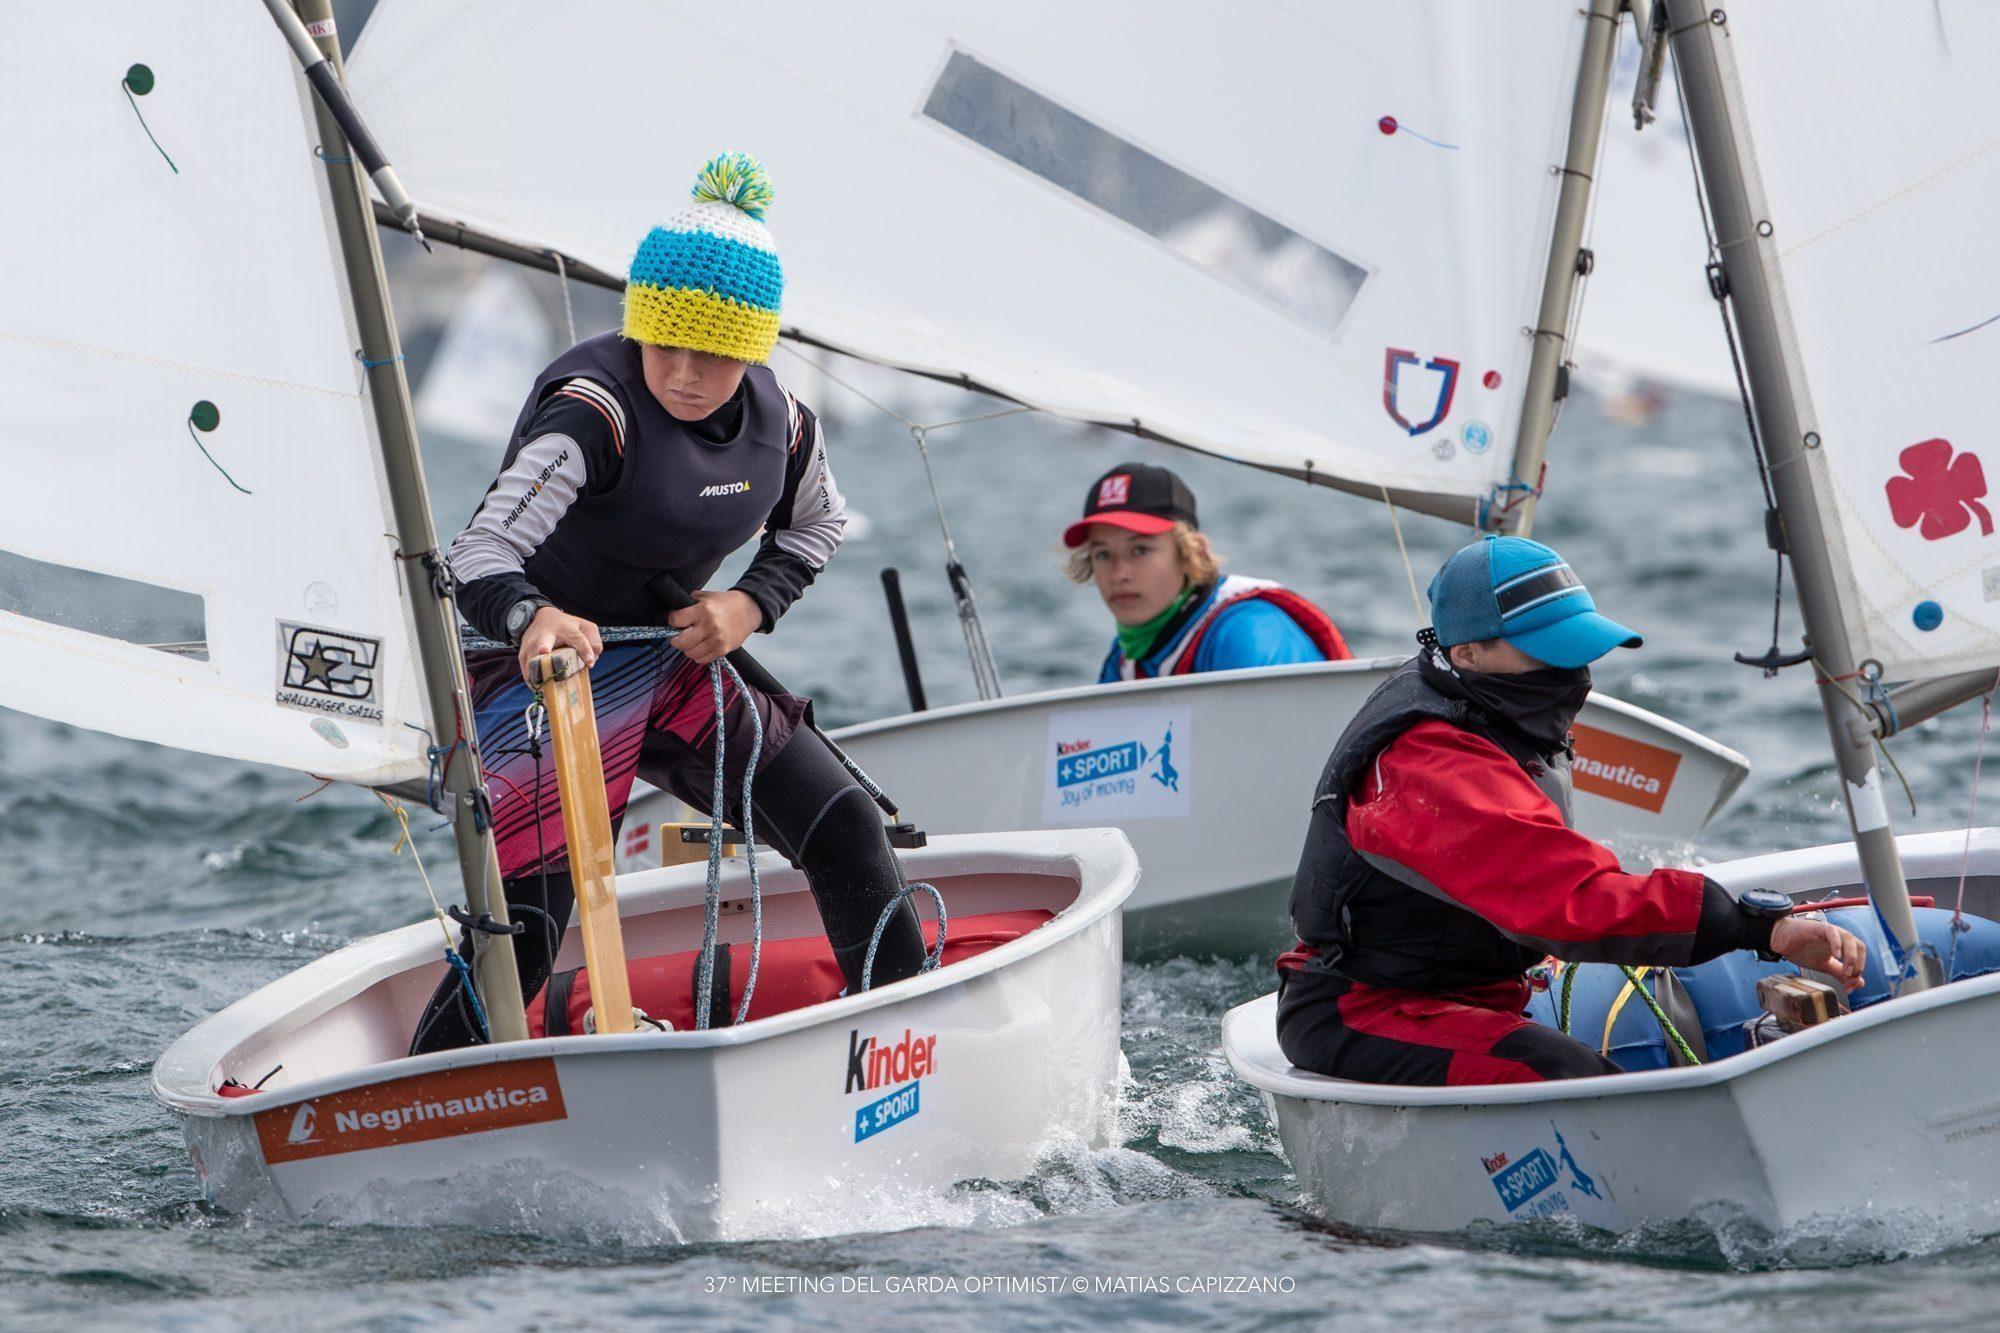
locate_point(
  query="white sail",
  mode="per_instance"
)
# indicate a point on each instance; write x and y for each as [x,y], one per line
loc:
[496,343]
[1877,146]
[187,448]
[1310,239]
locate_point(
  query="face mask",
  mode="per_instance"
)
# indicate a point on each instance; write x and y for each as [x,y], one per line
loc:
[1537,706]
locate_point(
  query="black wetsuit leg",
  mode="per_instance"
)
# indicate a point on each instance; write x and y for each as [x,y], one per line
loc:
[812,810]
[541,903]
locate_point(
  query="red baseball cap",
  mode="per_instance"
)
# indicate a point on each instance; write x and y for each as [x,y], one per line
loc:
[1137,497]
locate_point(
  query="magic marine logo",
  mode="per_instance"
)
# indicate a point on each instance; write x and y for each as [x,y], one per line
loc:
[724,488]
[444,1105]
[873,1064]
[325,671]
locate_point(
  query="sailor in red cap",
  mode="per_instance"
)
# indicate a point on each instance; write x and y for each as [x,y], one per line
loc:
[1139,542]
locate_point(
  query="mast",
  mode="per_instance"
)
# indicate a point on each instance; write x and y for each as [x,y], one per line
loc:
[1566,261]
[426,592]
[1746,241]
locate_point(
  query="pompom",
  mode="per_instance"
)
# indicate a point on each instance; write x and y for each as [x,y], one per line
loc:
[735,178]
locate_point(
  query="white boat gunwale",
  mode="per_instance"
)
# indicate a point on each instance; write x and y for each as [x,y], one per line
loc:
[1111,692]
[182,1077]
[1242,1042]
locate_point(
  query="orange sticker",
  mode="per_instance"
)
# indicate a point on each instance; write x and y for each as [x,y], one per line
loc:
[1622,769]
[443,1105]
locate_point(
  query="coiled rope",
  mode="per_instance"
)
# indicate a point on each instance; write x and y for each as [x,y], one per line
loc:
[1634,983]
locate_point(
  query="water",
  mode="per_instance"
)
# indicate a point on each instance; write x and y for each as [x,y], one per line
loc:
[152,888]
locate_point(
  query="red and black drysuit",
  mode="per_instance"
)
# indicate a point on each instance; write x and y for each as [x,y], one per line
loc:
[1440,865]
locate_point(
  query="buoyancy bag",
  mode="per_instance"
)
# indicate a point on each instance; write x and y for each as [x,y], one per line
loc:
[1723,991]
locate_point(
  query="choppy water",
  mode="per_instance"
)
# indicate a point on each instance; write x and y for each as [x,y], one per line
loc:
[149,888]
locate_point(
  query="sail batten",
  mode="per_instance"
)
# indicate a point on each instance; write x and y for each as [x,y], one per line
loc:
[1189,225]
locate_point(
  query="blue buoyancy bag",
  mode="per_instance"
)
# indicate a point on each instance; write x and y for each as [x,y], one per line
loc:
[1724,990]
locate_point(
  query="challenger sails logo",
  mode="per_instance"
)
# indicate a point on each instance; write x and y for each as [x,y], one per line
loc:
[444,1105]
[325,671]
[873,1064]
[723,488]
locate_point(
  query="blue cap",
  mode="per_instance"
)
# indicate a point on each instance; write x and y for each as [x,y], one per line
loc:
[1521,591]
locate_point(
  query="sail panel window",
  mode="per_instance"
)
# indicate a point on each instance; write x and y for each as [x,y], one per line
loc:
[1198,222]
[117,608]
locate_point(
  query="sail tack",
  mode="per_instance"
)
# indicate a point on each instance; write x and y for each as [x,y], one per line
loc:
[1309,241]
[1877,149]
[188,450]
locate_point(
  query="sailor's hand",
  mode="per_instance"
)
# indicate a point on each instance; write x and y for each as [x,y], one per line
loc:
[716,625]
[1820,946]
[552,629]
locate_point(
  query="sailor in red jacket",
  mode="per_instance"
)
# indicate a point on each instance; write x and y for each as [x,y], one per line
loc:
[1440,863]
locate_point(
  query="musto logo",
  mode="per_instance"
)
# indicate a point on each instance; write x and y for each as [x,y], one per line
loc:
[1624,770]
[412,1110]
[873,1064]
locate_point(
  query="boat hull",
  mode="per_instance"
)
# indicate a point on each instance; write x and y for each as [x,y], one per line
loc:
[788,1125]
[1906,1154]
[1246,749]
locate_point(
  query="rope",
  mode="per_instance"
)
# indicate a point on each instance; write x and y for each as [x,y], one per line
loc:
[1423,617]
[932,956]
[1958,926]
[712,907]
[1632,983]
[405,838]
[562,281]
[1666,1024]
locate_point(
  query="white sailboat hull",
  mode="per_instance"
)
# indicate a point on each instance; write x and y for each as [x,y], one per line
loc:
[1881,1129]
[1247,748]
[731,1133]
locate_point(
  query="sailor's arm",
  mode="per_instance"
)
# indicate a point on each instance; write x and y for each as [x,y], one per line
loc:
[1451,815]
[804,528]
[571,451]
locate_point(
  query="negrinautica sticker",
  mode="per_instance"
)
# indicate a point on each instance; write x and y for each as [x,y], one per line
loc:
[327,671]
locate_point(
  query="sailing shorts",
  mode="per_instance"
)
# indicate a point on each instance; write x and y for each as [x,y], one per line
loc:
[655,719]
[1329,1024]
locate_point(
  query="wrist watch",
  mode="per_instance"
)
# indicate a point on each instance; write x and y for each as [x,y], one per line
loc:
[1770,904]
[520,614]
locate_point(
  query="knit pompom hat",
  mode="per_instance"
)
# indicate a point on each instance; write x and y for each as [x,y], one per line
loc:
[709,278]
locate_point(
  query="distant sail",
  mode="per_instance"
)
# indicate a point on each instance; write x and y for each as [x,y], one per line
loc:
[1877,147]
[1312,240]
[497,342]
[188,451]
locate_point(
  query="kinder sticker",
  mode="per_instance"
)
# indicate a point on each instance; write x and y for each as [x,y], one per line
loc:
[1539,1175]
[1621,769]
[1107,765]
[422,1107]
[877,1062]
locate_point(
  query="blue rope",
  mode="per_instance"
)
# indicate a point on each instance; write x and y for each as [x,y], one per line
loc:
[464,970]
[373,364]
[321,153]
[713,906]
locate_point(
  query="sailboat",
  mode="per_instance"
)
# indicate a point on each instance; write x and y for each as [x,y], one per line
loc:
[1105,227]
[205,397]
[1850,166]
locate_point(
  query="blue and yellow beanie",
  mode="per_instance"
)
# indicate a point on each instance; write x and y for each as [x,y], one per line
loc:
[709,279]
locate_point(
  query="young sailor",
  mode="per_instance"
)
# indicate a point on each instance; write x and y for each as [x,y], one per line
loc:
[1440,864]
[661,449]
[1177,613]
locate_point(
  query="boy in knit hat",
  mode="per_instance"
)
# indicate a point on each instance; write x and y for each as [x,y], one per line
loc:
[662,448]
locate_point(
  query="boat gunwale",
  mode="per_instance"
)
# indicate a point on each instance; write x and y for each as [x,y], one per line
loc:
[1111,693]
[338,977]
[1300,1085]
